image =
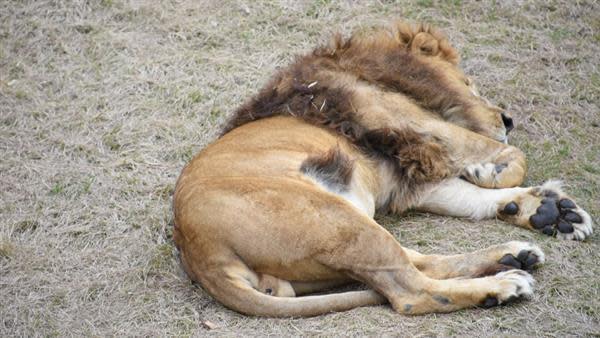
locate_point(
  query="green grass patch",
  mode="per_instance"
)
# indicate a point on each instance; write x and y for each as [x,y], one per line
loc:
[58,188]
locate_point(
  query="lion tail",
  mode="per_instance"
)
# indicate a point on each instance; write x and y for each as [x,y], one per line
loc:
[232,287]
[238,295]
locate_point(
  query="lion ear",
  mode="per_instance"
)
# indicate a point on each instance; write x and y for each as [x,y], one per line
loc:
[448,52]
[404,33]
[424,43]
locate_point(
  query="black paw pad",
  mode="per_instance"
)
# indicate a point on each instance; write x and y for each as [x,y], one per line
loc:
[522,256]
[546,214]
[572,217]
[531,260]
[525,260]
[490,301]
[511,208]
[565,227]
[566,203]
[555,215]
[510,260]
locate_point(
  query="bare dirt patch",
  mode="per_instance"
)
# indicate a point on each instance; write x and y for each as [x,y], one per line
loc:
[103,102]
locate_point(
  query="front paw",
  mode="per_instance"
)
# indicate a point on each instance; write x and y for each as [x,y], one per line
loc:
[493,175]
[482,174]
[549,210]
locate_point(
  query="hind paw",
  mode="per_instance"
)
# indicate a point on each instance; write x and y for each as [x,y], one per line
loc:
[549,210]
[507,256]
[522,255]
[509,286]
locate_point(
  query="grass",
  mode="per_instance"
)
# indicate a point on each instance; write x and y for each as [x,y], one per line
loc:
[102,104]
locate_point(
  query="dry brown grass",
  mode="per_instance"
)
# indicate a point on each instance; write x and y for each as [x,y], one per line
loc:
[103,102]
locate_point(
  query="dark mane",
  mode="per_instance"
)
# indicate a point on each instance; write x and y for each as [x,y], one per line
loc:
[318,88]
[308,88]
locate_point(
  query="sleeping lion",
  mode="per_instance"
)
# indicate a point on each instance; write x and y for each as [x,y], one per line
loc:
[282,204]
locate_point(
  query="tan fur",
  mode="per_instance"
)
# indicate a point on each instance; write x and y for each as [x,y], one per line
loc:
[282,203]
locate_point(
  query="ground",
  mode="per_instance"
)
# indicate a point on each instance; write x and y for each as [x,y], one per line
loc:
[103,102]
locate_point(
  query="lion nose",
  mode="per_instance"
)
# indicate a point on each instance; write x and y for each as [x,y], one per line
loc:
[508,122]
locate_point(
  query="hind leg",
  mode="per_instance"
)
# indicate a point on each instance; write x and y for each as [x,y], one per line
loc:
[485,262]
[480,263]
[368,253]
[377,259]
[424,293]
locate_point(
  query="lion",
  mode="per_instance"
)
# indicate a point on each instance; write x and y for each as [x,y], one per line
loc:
[281,205]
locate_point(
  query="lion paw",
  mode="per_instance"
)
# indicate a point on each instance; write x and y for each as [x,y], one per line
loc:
[550,211]
[506,256]
[509,286]
[522,255]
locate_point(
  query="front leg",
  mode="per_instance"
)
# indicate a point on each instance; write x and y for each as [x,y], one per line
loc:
[546,208]
[478,159]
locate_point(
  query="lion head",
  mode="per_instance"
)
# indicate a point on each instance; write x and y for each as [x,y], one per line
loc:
[473,111]
[419,61]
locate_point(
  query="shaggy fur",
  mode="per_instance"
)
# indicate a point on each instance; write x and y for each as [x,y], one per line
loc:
[311,89]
